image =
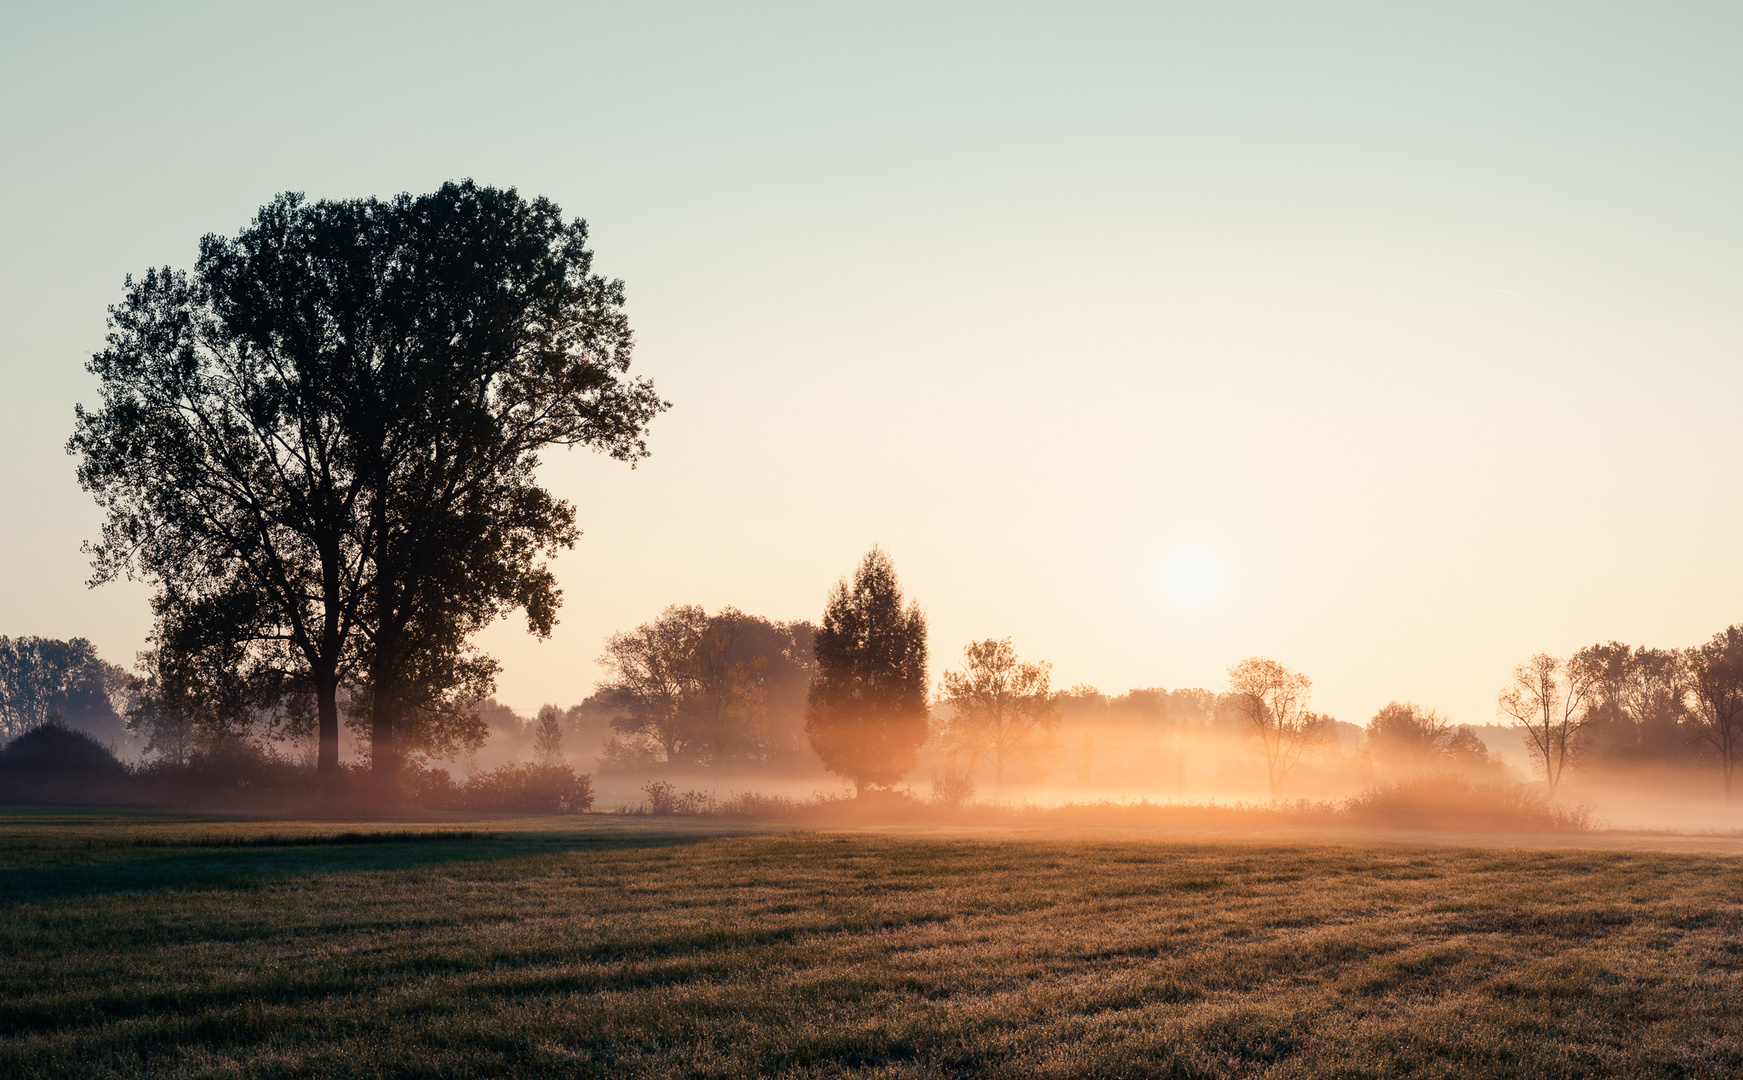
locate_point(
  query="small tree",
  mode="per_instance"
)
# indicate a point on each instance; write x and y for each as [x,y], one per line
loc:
[1271,701]
[1716,677]
[1548,699]
[548,736]
[866,712]
[1002,711]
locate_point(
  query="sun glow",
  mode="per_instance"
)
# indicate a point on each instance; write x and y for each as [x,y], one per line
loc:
[1192,577]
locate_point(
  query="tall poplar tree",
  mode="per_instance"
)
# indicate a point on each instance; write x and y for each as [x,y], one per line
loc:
[867,714]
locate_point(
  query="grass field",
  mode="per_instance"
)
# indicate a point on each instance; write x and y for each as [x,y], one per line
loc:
[164,946]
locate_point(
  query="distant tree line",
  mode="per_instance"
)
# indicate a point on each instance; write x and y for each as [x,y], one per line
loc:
[691,690]
[695,690]
[1614,704]
[44,679]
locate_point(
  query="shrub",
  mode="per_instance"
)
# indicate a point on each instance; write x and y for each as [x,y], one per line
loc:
[57,764]
[663,798]
[431,788]
[1449,801]
[952,791]
[525,789]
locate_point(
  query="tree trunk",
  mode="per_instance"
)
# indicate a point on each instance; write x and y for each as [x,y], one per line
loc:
[327,728]
[383,745]
[327,671]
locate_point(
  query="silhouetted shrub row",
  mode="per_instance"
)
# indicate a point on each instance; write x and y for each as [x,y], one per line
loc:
[56,765]
[513,789]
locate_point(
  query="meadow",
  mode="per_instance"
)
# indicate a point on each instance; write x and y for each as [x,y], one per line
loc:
[143,944]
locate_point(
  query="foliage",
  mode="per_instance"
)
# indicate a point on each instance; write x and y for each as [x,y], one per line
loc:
[288,948]
[1406,737]
[320,446]
[1272,702]
[952,791]
[188,703]
[42,678]
[665,799]
[52,763]
[523,789]
[689,688]
[548,737]
[1188,707]
[1002,711]
[867,715]
[1638,708]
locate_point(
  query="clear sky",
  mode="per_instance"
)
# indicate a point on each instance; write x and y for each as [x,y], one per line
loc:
[1393,341]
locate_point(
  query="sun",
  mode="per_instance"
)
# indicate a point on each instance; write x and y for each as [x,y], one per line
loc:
[1192,577]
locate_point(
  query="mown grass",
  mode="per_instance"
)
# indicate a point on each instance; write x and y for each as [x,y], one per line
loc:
[612,947]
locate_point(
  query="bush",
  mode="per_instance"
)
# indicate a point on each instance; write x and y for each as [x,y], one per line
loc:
[952,791]
[663,798]
[56,764]
[524,789]
[1448,801]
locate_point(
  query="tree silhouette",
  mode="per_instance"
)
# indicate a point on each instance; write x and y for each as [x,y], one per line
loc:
[866,714]
[1548,698]
[42,677]
[1001,710]
[683,689]
[1405,735]
[548,737]
[320,446]
[1716,677]
[1272,702]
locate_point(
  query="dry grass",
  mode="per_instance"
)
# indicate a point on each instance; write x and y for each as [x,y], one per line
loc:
[623,947]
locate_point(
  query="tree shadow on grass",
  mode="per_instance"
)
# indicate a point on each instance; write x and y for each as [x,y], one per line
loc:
[251,862]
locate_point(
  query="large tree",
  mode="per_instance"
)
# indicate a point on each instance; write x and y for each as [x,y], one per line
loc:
[1638,707]
[867,715]
[1002,710]
[320,445]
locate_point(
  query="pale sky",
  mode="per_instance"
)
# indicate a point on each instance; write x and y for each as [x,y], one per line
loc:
[1393,341]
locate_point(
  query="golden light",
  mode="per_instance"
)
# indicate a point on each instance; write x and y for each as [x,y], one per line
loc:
[1192,577]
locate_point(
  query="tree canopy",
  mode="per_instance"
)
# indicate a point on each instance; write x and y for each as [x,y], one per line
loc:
[1002,710]
[320,447]
[1715,677]
[692,689]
